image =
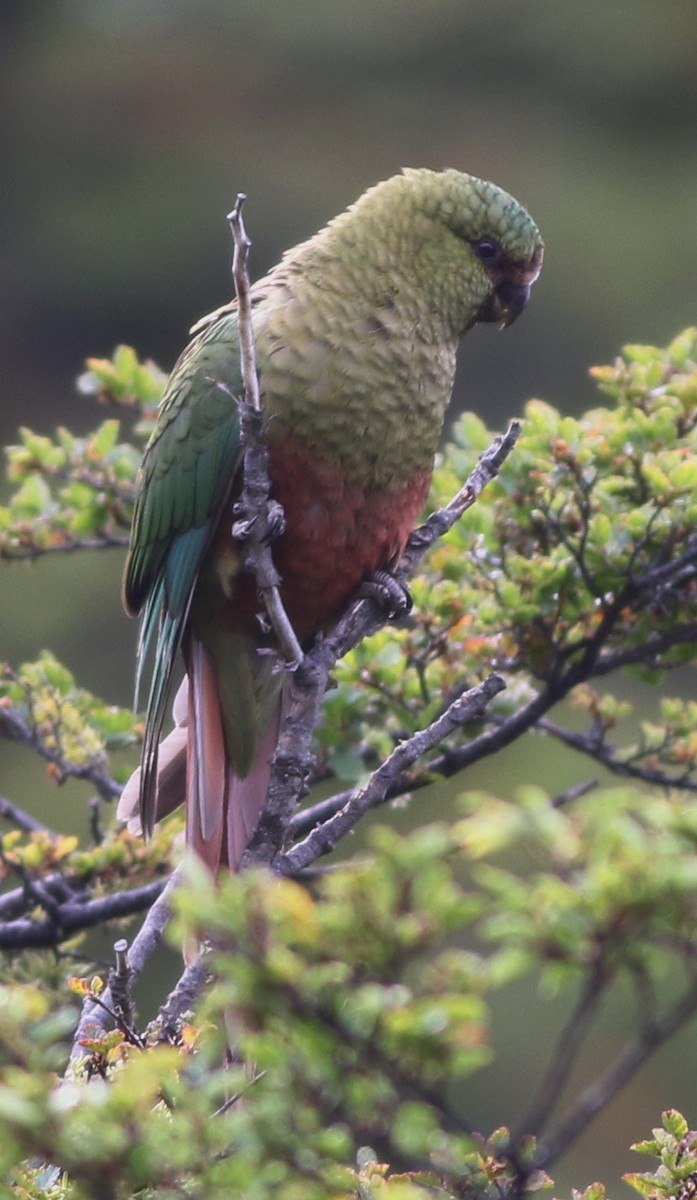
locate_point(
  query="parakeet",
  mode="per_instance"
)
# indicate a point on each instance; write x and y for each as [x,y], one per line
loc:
[356,332]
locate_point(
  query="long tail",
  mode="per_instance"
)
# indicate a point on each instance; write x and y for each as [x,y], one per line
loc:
[171,772]
[222,809]
[194,766]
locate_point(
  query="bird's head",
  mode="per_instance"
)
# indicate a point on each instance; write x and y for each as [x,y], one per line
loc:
[483,248]
[444,249]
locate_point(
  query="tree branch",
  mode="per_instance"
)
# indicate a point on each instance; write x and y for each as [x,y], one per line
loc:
[646,652]
[96,1018]
[596,1097]
[322,840]
[68,917]
[485,470]
[183,996]
[21,819]
[13,727]
[18,901]
[594,664]
[259,518]
[629,767]
[24,550]
[569,1043]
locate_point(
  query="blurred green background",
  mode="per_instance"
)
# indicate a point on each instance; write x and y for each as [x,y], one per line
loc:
[129,126]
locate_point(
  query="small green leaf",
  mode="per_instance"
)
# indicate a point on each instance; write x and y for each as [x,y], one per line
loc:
[675,1123]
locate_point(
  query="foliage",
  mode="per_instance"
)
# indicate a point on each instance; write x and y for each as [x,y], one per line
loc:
[674,1146]
[357,1000]
[77,492]
[70,728]
[579,561]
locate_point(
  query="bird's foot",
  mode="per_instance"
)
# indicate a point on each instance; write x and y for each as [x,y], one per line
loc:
[274,523]
[387,591]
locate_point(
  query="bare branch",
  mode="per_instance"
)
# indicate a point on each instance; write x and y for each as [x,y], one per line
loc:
[18,549]
[307,819]
[486,468]
[120,982]
[596,1097]
[630,766]
[322,840]
[259,518]
[68,917]
[21,819]
[647,652]
[240,275]
[594,662]
[96,1018]
[569,1044]
[573,793]
[366,617]
[18,902]
[183,997]
[292,760]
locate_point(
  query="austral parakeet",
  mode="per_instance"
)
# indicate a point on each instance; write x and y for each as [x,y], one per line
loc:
[356,332]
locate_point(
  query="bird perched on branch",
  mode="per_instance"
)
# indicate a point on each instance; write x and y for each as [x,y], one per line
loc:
[356,332]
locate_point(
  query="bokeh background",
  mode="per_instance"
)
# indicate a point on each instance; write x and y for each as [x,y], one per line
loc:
[127,128]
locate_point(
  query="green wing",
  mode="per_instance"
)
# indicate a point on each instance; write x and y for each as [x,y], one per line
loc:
[185,479]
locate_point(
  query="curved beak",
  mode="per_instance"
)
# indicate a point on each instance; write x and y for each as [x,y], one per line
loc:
[506,304]
[512,298]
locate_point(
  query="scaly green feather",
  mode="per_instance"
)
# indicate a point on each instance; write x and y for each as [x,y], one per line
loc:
[184,480]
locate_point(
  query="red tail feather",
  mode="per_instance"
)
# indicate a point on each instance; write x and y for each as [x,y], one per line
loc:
[222,810]
[245,797]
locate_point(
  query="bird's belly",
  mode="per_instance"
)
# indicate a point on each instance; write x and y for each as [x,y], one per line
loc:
[336,532]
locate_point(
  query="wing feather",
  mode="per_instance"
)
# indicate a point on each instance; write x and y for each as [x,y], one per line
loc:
[188,471]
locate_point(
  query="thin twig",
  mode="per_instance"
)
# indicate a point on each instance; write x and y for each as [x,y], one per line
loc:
[596,1097]
[23,820]
[467,707]
[529,717]
[240,275]
[573,793]
[366,617]
[568,1046]
[307,819]
[19,550]
[648,651]
[13,727]
[629,767]
[258,515]
[485,470]
[97,1018]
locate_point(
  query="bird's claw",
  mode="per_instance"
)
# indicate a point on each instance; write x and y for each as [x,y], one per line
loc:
[274,523]
[387,591]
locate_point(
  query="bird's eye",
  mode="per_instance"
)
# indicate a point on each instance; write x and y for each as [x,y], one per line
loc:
[488,250]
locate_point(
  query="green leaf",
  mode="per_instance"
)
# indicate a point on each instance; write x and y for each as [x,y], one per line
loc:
[675,1123]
